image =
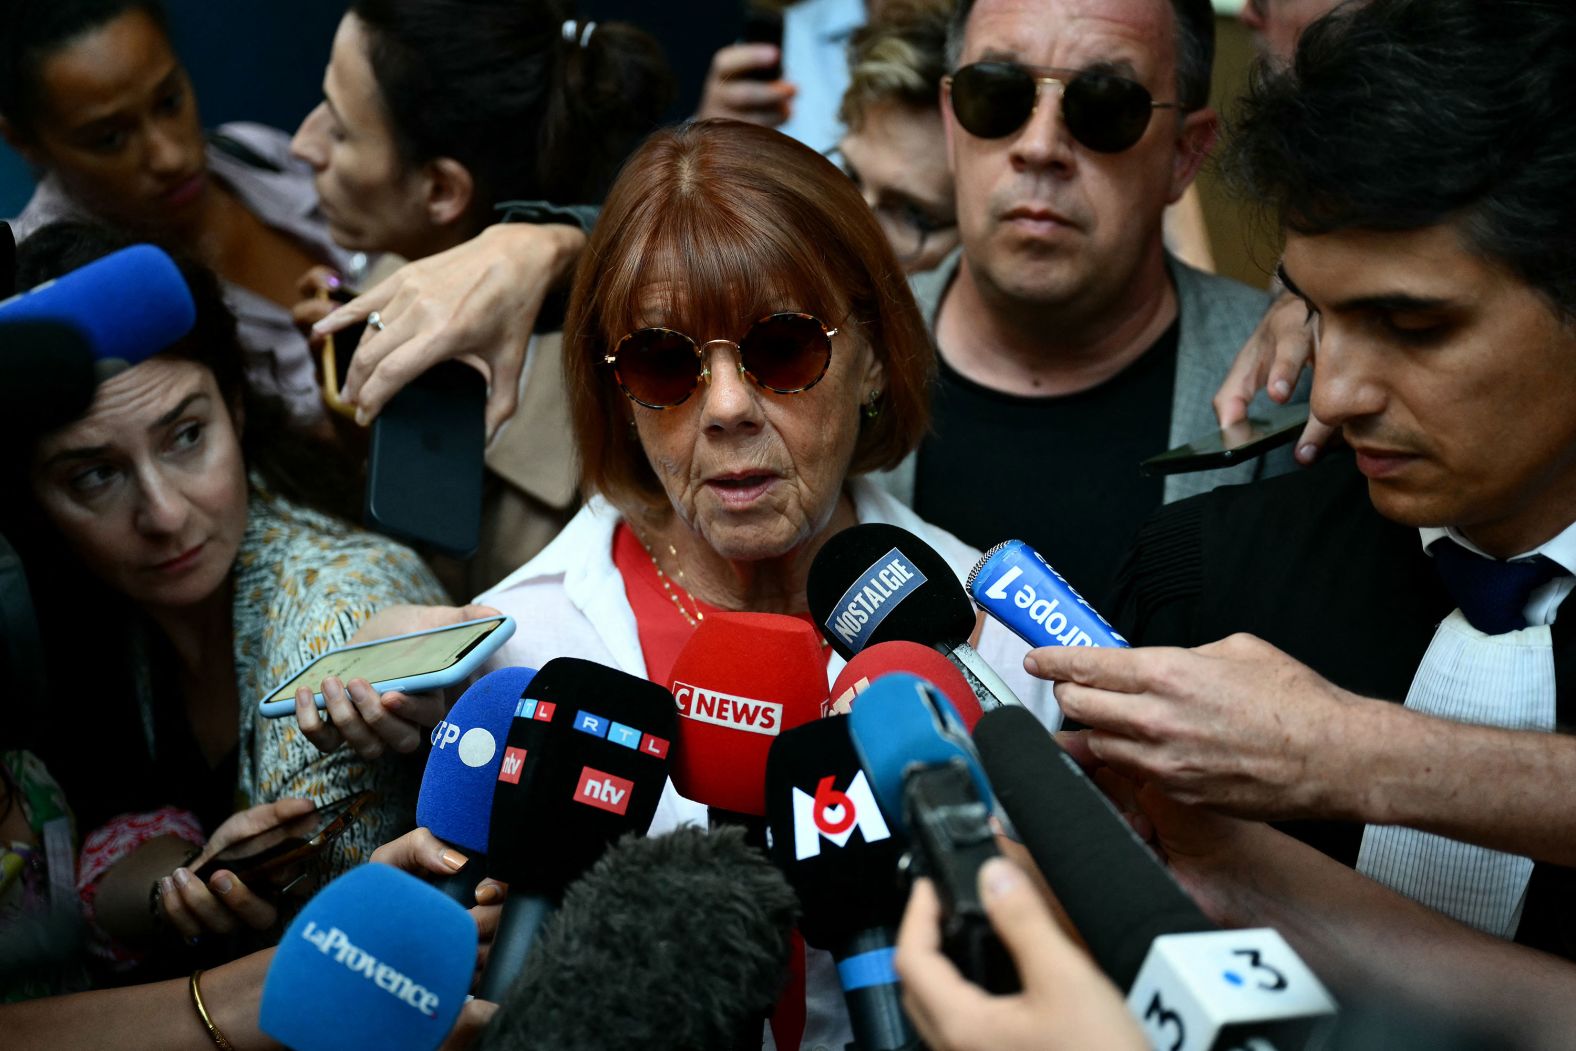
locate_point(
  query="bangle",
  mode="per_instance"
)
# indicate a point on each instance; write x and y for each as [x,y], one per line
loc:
[202,1013]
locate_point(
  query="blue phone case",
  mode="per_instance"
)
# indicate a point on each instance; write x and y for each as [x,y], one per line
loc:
[458,672]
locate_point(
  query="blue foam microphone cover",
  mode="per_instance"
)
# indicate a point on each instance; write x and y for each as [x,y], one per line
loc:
[456,798]
[378,959]
[130,305]
[1013,583]
[901,721]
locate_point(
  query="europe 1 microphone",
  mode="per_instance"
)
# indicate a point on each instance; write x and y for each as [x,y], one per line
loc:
[1015,585]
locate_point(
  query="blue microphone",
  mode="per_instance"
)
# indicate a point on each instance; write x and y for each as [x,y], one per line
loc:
[1015,585]
[378,959]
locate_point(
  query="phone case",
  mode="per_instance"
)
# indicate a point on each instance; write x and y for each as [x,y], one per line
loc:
[461,670]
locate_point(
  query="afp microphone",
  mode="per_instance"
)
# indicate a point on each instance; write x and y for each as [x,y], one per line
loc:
[377,960]
[1014,584]
[1191,986]
[875,583]
[885,658]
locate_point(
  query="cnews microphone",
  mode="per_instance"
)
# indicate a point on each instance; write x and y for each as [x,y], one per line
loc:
[585,762]
[673,943]
[829,837]
[456,798]
[1014,584]
[884,658]
[1191,986]
[377,959]
[875,583]
[740,680]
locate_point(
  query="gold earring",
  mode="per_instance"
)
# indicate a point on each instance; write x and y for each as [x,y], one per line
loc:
[872,410]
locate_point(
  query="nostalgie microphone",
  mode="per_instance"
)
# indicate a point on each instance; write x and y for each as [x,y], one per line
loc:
[830,838]
[885,658]
[876,583]
[378,959]
[675,942]
[1015,585]
[584,763]
[456,798]
[1191,986]
[740,681]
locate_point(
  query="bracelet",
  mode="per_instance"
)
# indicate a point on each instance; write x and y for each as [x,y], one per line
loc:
[202,1013]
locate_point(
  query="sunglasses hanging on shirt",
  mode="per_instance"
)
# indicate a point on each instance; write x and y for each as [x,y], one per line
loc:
[1103,111]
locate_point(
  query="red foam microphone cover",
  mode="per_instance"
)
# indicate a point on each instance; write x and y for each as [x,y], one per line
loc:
[884,658]
[741,679]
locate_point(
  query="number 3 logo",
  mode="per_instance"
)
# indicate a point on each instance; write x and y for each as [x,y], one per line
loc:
[1162,1016]
[1277,980]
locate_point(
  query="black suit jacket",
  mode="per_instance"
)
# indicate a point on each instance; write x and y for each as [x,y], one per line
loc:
[1305,562]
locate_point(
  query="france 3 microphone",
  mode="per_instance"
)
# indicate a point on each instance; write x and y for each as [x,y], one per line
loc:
[377,959]
[1016,586]
[884,658]
[913,747]
[1190,985]
[585,762]
[876,583]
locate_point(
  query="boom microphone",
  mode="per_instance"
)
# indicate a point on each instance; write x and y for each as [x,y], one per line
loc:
[377,959]
[884,658]
[1014,584]
[672,943]
[876,583]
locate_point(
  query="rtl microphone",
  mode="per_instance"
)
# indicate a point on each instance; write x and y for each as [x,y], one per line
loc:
[740,681]
[456,798]
[675,942]
[877,583]
[1014,584]
[829,837]
[378,959]
[885,658]
[1191,986]
[584,763]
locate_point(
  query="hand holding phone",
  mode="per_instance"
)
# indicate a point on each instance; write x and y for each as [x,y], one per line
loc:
[1238,443]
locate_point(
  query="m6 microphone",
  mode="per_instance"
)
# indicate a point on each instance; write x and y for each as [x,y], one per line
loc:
[377,959]
[1014,584]
[739,682]
[1189,984]
[877,583]
[585,762]
[673,943]
[456,798]
[885,658]
[829,837]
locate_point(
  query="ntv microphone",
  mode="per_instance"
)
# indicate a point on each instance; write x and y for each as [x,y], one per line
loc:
[1191,986]
[585,762]
[885,658]
[1016,586]
[378,959]
[878,583]
[830,838]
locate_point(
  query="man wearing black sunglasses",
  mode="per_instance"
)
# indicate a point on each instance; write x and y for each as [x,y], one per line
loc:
[1071,343]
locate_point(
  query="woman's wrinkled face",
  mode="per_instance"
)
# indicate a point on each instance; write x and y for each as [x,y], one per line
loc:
[149,488]
[757,474]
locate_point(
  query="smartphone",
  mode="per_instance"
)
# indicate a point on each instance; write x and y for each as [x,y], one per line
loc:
[421,660]
[1242,441]
[336,361]
[425,469]
[275,856]
[763,27]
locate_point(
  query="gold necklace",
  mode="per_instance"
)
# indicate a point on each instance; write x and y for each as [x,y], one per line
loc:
[700,614]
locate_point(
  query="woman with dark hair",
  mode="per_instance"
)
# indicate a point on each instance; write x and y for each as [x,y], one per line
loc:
[740,347]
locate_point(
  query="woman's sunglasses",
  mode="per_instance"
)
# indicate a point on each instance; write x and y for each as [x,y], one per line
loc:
[1105,112]
[784,353]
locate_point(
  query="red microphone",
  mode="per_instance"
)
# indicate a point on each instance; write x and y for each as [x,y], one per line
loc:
[871,663]
[740,680]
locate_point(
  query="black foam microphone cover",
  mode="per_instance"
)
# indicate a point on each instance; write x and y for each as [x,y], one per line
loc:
[47,376]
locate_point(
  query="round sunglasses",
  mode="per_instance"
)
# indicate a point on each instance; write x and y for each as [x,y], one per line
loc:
[784,353]
[1103,111]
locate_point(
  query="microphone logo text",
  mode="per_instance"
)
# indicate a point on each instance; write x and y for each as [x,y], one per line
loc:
[876,592]
[724,709]
[334,942]
[834,815]
[477,746]
[603,791]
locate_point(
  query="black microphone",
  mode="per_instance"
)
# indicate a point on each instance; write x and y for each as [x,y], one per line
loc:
[876,583]
[47,375]
[831,840]
[672,943]
[585,762]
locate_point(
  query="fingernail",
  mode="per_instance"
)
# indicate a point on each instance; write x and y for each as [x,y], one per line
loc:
[182,877]
[1029,664]
[362,419]
[321,324]
[1306,453]
[166,885]
[1281,387]
[487,893]
[454,859]
[333,680]
[999,877]
[223,884]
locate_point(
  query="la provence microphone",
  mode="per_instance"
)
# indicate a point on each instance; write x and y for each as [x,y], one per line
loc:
[740,680]
[671,943]
[1191,986]
[829,837]
[884,658]
[1013,583]
[377,960]
[585,762]
[875,583]
[456,798]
